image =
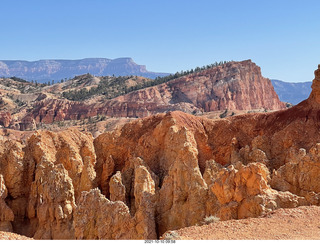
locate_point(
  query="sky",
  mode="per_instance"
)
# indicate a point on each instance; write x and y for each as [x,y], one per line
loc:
[280,36]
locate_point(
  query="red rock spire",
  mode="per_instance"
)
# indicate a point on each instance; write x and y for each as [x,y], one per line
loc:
[315,93]
[317,73]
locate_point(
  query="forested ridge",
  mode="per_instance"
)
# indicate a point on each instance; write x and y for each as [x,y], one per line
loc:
[111,86]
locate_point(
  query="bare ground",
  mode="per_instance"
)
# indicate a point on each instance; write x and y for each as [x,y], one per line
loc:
[12,236]
[301,223]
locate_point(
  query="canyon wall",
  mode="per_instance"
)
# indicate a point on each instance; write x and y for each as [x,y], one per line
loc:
[160,173]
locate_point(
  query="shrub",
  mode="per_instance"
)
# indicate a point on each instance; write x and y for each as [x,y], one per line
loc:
[224,114]
[171,235]
[210,219]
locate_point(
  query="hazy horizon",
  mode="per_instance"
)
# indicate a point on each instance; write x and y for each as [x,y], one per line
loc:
[275,79]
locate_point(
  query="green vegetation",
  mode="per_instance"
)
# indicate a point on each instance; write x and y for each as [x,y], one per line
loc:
[18,79]
[20,103]
[112,87]
[210,219]
[224,114]
[160,80]
[31,82]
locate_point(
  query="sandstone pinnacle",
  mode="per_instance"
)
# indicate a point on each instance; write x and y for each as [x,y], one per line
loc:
[315,93]
[317,73]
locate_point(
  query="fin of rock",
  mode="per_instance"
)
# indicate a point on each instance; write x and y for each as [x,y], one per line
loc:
[315,93]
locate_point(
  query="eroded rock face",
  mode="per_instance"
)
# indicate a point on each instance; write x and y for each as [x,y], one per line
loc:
[233,86]
[188,153]
[17,175]
[107,220]
[161,173]
[300,175]
[6,214]
[72,149]
[144,193]
[5,119]
[27,123]
[12,168]
[44,179]
[64,168]
[315,94]
[243,192]
[117,189]
[183,187]
[51,202]
[113,219]
[157,174]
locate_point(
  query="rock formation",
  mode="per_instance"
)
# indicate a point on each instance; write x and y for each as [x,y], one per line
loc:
[51,202]
[233,86]
[160,173]
[5,119]
[106,220]
[113,219]
[17,173]
[6,214]
[179,149]
[27,123]
[117,189]
[45,178]
[315,93]
[300,175]
[243,192]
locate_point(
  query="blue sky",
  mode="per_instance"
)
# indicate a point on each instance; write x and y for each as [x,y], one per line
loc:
[282,36]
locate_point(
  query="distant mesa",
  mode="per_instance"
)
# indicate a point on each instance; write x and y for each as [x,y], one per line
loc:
[295,92]
[292,92]
[57,69]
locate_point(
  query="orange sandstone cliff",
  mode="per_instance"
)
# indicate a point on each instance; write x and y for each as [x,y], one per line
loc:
[161,173]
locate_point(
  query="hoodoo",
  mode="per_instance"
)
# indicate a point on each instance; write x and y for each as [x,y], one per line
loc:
[315,94]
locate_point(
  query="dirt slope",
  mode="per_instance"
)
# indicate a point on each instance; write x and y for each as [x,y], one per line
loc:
[282,224]
[12,236]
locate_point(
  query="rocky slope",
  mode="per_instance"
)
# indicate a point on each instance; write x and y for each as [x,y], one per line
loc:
[235,85]
[232,86]
[160,173]
[282,224]
[47,70]
[12,236]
